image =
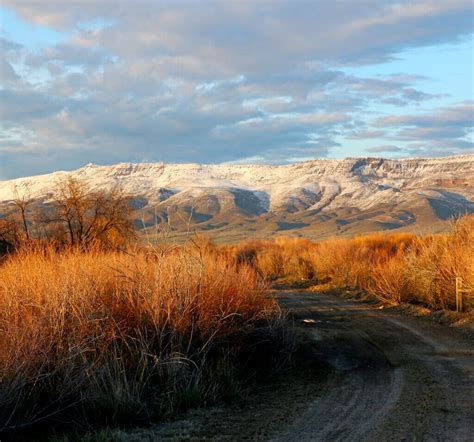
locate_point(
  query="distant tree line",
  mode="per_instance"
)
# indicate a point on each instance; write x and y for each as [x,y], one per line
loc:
[74,215]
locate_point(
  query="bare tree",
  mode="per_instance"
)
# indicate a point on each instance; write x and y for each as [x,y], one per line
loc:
[22,200]
[83,217]
[76,215]
[70,203]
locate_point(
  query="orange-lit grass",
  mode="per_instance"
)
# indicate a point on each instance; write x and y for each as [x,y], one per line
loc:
[426,272]
[395,267]
[119,336]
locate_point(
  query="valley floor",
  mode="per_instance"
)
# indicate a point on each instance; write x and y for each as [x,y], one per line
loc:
[365,373]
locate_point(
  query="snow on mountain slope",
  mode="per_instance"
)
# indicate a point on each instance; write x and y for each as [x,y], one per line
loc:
[356,177]
[318,186]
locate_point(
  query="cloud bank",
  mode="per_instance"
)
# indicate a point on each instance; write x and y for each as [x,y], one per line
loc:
[223,81]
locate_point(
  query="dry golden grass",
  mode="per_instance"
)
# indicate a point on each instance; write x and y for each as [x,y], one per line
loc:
[117,337]
[109,337]
[397,267]
[426,272]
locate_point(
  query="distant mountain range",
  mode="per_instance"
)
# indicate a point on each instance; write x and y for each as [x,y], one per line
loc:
[314,199]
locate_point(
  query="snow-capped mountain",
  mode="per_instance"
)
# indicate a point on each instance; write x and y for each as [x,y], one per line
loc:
[373,193]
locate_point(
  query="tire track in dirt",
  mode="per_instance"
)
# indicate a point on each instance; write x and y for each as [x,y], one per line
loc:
[400,378]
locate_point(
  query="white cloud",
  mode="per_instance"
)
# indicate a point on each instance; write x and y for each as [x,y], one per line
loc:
[218,81]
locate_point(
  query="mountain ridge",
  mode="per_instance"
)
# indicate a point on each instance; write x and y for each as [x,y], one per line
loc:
[370,192]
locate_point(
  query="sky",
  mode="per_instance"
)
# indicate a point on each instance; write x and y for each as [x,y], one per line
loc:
[232,81]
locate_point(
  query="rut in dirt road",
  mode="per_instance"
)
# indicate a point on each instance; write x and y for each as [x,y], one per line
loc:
[395,377]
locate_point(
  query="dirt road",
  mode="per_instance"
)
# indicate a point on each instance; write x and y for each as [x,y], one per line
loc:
[395,377]
[369,374]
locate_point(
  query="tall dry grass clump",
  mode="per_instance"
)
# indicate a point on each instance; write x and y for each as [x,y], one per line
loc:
[344,262]
[427,271]
[350,262]
[394,267]
[116,337]
[282,257]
